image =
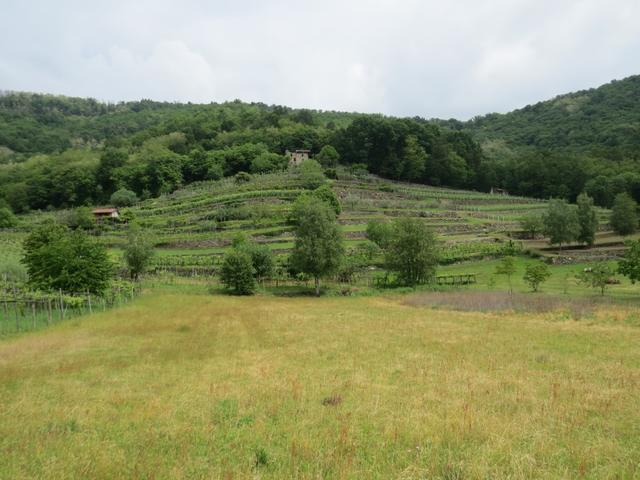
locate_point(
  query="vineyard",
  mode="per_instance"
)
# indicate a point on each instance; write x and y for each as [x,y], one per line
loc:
[23,310]
[192,227]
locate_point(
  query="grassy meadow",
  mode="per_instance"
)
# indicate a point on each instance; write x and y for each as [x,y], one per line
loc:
[181,384]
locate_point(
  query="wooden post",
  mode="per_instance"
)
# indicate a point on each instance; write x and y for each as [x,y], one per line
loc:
[33,313]
[49,313]
[89,300]
[61,305]
[15,308]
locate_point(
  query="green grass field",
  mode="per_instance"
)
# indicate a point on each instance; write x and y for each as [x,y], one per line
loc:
[189,385]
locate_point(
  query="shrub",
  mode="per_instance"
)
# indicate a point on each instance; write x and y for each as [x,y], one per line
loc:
[138,252]
[57,258]
[624,215]
[536,274]
[412,251]
[596,276]
[237,272]
[7,218]
[311,174]
[242,177]
[80,218]
[123,198]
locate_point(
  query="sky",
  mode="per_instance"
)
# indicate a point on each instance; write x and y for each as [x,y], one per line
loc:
[445,58]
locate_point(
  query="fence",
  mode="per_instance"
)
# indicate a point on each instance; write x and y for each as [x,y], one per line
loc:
[22,311]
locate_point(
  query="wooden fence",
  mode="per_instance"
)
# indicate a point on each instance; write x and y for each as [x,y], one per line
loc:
[459,279]
[22,311]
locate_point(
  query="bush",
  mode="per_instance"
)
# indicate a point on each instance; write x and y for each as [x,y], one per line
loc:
[326,194]
[624,215]
[412,252]
[237,272]
[535,274]
[242,177]
[57,258]
[7,218]
[123,198]
[311,174]
[138,252]
[80,218]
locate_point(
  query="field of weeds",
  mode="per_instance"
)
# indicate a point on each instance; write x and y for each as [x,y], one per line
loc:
[180,385]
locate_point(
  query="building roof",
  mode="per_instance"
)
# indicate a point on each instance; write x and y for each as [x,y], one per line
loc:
[104,210]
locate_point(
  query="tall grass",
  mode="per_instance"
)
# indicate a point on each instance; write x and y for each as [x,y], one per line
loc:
[181,385]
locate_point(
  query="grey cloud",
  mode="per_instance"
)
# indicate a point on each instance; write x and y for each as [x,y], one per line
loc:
[410,57]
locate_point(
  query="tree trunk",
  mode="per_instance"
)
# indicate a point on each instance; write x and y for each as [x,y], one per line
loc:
[317,280]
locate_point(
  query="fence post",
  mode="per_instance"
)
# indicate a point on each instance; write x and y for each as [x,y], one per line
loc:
[15,308]
[33,312]
[61,305]
[89,300]
[49,314]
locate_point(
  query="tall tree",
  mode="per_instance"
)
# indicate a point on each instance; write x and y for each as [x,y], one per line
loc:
[624,215]
[414,160]
[561,223]
[587,219]
[57,258]
[318,247]
[411,251]
[138,252]
[507,267]
[629,265]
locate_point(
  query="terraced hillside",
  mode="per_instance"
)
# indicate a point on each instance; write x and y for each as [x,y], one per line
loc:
[193,226]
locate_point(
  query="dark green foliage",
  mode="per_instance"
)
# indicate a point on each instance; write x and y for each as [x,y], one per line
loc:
[261,256]
[414,160]
[629,264]
[561,223]
[80,218]
[411,251]
[59,259]
[603,120]
[268,162]
[263,262]
[138,252]
[325,194]
[587,141]
[624,215]
[587,219]
[536,274]
[597,276]
[110,160]
[328,156]
[237,272]
[318,247]
[242,177]
[123,198]
[7,218]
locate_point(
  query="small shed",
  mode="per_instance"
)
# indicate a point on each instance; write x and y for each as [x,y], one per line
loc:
[105,212]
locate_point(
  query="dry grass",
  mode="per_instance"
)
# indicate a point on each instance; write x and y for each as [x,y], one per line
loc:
[194,386]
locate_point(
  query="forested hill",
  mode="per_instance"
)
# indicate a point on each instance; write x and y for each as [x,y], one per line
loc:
[603,121]
[59,151]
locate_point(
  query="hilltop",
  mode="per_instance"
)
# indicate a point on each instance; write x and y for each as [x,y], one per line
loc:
[603,121]
[58,152]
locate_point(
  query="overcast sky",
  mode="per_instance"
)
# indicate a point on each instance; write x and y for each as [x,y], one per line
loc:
[444,58]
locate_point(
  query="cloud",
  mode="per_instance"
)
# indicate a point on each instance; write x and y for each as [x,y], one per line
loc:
[403,57]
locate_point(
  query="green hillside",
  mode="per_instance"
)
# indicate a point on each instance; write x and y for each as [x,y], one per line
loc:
[603,121]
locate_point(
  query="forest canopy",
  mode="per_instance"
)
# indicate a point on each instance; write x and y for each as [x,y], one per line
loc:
[60,151]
